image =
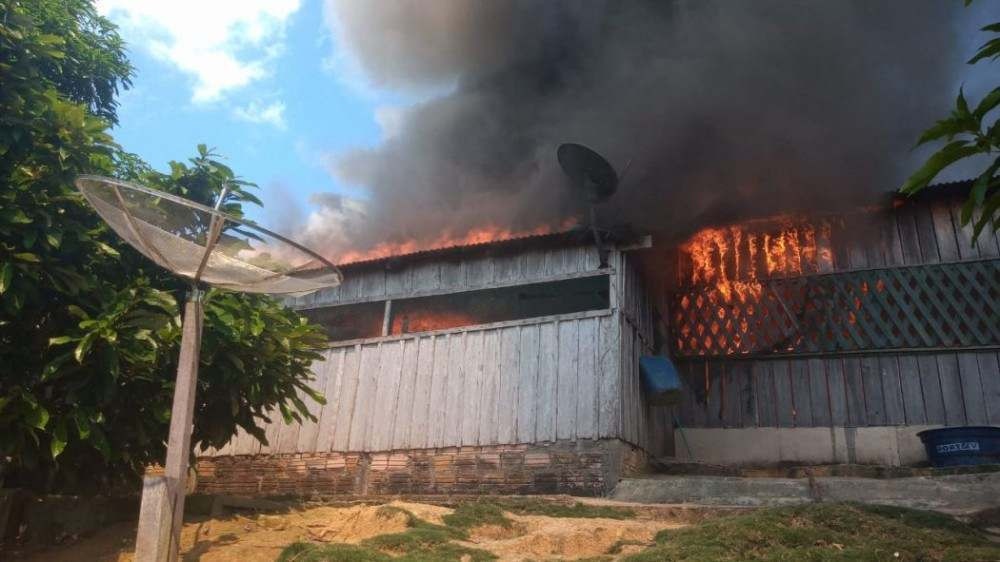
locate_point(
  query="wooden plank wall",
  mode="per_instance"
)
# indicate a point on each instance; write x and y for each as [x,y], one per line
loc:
[938,387]
[451,276]
[649,427]
[949,388]
[529,382]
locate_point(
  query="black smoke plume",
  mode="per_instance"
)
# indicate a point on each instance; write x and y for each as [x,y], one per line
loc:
[725,108]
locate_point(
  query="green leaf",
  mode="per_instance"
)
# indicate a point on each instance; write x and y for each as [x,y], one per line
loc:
[107,249]
[943,128]
[84,346]
[6,274]
[990,49]
[28,257]
[987,104]
[938,161]
[60,340]
[58,443]
[37,417]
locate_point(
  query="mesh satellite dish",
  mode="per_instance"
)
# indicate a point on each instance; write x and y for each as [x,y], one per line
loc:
[208,247]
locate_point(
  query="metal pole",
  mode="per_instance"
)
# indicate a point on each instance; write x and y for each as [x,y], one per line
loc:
[162,511]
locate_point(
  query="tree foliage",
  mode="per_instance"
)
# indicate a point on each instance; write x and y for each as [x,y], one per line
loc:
[89,329]
[972,130]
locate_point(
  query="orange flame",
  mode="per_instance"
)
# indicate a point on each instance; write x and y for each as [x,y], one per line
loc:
[733,261]
[448,239]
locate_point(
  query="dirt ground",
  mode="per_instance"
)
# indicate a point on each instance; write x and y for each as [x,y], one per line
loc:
[247,537]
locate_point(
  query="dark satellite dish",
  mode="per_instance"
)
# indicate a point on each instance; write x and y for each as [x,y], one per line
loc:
[588,172]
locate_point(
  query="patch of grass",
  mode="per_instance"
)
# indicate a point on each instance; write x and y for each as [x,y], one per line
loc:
[824,533]
[309,552]
[532,506]
[421,542]
[475,514]
[617,547]
[662,536]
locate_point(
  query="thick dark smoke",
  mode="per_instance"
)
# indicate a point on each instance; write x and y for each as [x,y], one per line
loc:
[723,107]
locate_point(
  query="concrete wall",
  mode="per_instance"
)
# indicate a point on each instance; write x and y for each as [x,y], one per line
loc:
[893,446]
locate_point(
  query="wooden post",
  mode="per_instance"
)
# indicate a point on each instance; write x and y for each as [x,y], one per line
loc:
[178,446]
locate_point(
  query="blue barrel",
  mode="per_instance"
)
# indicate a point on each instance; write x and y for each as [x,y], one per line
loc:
[956,446]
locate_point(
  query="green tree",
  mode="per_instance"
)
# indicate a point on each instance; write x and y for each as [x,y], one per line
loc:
[970,131]
[89,329]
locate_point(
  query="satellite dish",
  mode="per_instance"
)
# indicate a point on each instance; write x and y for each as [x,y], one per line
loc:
[206,246]
[588,171]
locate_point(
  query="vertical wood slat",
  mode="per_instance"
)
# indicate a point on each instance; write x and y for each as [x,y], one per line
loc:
[951,389]
[439,391]
[609,394]
[509,378]
[548,350]
[309,429]
[892,391]
[910,389]
[930,387]
[764,392]
[783,393]
[367,386]
[801,393]
[567,377]
[527,387]
[386,396]
[454,406]
[490,390]
[586,393]
[819,398]
[420,418]
[837,385]
[989,369]
[857,413]
[871,376]
[972,389]
[406,403]
[472,382]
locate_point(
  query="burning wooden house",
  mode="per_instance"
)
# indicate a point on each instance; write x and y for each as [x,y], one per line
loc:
[513,366]
[507,366]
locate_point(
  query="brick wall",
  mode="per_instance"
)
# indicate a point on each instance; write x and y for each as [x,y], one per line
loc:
[589,468]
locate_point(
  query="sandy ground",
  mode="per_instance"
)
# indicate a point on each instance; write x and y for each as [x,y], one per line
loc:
[259,538]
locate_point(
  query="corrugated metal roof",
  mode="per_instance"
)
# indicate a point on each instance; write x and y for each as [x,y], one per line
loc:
[574,236]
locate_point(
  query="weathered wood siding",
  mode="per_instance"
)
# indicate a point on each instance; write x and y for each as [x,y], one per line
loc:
[951,387]
[948,388]
[433,277]
[532,381]
[649,427]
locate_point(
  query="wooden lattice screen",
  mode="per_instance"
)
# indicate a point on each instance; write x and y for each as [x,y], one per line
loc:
[954,305]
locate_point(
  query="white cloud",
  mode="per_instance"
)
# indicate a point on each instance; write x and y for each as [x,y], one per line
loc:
[223,45]
[390,120]
[258,112]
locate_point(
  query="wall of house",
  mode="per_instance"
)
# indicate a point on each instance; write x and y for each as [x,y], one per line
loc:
[906,389]
[560,383]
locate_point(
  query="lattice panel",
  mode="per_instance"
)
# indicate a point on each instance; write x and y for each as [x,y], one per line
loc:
[927,306]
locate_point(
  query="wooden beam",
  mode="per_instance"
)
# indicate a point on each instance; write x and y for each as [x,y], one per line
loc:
[178,445]
[387,318]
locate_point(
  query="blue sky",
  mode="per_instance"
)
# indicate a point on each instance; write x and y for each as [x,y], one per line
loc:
[266,86]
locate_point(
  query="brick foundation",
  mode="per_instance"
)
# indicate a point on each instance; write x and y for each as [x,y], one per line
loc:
[587,468]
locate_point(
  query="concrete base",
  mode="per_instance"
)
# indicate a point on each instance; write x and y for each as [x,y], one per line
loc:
[761,446]
[958,494]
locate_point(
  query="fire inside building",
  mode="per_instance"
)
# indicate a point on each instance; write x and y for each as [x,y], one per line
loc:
[517,365]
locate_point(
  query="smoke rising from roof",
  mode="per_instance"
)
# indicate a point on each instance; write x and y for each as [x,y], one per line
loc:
[738,108]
